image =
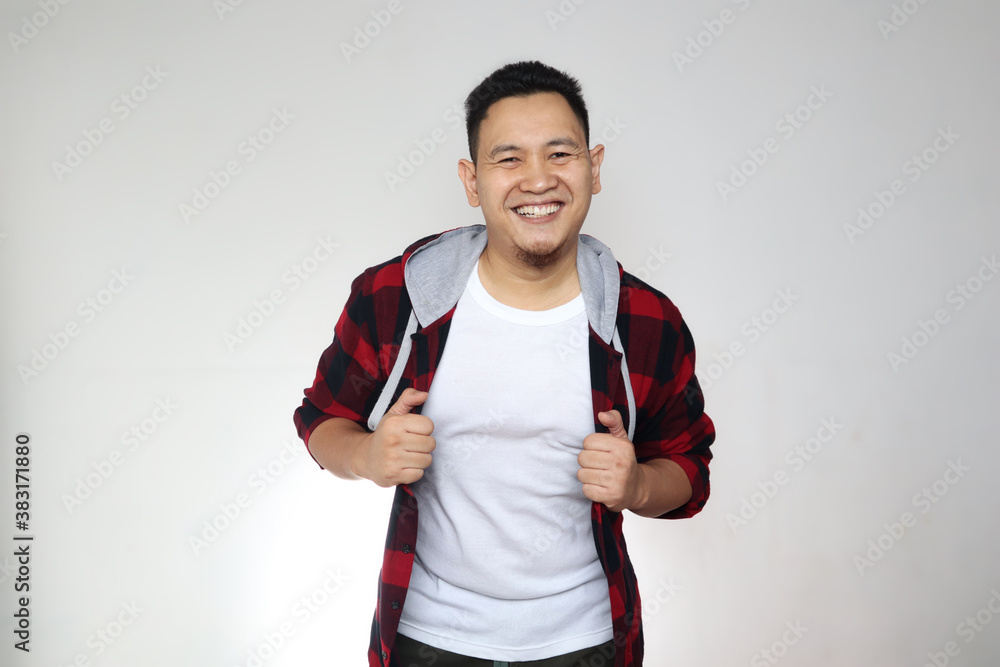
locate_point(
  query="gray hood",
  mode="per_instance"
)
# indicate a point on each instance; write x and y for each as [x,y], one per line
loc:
[437,272]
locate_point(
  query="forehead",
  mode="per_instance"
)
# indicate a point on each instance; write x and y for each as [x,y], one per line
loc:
[539,116]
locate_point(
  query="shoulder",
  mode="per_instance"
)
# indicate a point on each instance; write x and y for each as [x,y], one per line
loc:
[388,274]
[640,301]
[651,325]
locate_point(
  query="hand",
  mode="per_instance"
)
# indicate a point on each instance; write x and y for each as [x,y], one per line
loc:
[399,450]
[608,467]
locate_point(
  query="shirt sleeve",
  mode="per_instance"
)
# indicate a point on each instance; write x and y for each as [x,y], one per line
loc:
[348,373]
[671,421]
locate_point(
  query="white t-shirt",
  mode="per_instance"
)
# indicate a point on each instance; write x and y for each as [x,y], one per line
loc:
[505,564]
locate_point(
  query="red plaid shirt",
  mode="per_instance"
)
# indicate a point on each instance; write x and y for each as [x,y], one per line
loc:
[669,418]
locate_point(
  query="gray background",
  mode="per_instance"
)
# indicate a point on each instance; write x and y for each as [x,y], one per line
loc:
[717,591]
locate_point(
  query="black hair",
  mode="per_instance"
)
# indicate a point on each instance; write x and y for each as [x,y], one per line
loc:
[521,79]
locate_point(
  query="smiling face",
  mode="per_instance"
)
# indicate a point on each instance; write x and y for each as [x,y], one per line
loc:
[533,177]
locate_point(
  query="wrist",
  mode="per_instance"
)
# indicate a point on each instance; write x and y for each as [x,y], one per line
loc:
[641,488]
[359,456]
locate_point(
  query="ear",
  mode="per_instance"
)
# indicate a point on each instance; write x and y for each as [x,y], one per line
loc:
[467,173]
[596,158]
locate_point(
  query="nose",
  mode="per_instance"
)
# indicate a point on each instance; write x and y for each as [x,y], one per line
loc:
[537,176]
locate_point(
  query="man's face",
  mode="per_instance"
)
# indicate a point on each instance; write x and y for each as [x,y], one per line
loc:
[533,177]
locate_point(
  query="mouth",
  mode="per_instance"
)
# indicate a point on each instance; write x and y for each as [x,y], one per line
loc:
[539,212]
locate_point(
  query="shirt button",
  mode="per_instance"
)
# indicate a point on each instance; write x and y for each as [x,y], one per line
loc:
[395,604]
[406,549]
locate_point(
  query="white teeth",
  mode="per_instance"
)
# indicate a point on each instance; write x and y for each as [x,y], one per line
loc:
[537,211]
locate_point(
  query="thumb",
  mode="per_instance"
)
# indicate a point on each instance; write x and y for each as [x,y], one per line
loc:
[409,399]
[613,420]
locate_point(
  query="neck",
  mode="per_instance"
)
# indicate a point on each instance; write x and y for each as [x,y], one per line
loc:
[528,287]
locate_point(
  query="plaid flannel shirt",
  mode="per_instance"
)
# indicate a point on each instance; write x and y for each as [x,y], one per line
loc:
[669,421]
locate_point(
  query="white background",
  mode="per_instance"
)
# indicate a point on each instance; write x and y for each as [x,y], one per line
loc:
[718,589]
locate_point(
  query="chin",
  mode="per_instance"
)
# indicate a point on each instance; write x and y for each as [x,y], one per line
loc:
[539,256]
[537,261]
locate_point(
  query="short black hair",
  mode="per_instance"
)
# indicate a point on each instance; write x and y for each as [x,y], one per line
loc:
[521,79]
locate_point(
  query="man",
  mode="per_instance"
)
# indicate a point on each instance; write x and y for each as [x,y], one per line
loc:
[521,441]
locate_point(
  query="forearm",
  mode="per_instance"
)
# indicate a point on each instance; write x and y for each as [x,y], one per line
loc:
[338,444]
[662,486]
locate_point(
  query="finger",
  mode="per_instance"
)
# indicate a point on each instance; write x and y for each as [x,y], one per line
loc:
[419,444]
[613,420]
[409,399]
[595,477]
[417,424]
[411,475]
[593,459]
[416,461]
[595,493]
[600,442]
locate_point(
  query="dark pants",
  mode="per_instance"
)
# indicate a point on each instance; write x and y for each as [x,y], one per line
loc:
[412,653]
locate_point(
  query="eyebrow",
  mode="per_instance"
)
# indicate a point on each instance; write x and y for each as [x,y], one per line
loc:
[558,141]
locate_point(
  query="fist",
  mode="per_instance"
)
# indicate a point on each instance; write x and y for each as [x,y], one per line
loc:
[399,450]
[608,467]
